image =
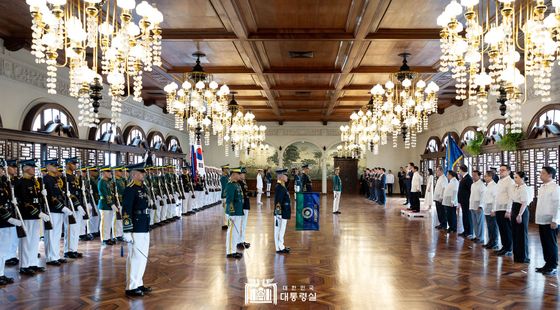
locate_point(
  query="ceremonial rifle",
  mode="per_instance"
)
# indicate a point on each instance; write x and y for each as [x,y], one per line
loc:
[20,230]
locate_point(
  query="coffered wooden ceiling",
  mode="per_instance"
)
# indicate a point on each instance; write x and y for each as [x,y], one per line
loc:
[354,45]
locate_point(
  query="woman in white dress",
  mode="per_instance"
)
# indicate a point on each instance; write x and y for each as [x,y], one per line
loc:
[429,196]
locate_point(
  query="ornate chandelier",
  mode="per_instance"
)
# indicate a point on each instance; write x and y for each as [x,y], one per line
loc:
[201,102]
[241,130]
[401,107]
[105,30]
[498,32]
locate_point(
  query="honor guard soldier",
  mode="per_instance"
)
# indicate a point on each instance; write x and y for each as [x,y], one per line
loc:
[151,196]
[188,189]
[234,210]
[136,227]
[305,180]
[246,206]
[28,194]
[156,192]
[119,186]
[337,190]
[224,179]
[12,178]
[8,221]
[93,177]
[282,211]
[89,228]
[54,188]
[74,199]
[106,205]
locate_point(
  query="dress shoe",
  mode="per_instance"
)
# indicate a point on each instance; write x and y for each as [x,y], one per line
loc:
[37,268]
[145,289]
[27,271]
[82,237]
[235,255]
[78,254]
[12,261]
[5,280]
[108,242]
[525,261]
[549,272]
[134,293]
[284,251]
[438,227]
[62,261]
[540,269]
[89,237]
[120,239]
[224,227]
[506,253]
[54,263]
[241,245]
[405,203]
[247,245]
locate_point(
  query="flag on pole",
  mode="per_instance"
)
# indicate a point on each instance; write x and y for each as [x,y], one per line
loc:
[307,211]
[453,154]
[197,160]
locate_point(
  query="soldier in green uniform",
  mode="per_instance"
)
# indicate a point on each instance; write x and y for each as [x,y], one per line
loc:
[224,179]
[282,211]
[337,190]
[305,179]
[246,207]
[119,186]
[136,226]
[93,177]
[106,205]
[234,210]
[151,197]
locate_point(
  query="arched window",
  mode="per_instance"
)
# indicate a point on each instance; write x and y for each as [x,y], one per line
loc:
[173,144]
[468,135]
[453,134]
[546,123]
[433,145]
[497,127]
[50,118]
[156,141]
[106,132]
[134,136]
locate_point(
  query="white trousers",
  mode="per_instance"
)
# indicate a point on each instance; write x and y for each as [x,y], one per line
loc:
[72,233]
[14,243]
[185,203]
[159,209]
[279,231]
[5,244]
[268,185]
[152,213]
[233,233]
[106,224]
[137,259]
[225,214]
[163,215]
[53,236]
[29,246]
[117,227]
[336,201]
[244,226]
[259,194]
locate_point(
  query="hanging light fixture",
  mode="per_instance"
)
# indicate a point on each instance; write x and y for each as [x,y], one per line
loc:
[200,101]
[242,134]
[498,32]
[104,29]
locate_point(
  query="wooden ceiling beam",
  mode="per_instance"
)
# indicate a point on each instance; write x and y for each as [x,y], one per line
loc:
[404,34]
[301,87]
[197,35]
[213,69]
[392,69]
[299,70]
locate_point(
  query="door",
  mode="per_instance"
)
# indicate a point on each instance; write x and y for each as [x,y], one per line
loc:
[348,174]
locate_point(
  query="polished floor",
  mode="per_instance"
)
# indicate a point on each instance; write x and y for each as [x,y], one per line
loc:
[368,257]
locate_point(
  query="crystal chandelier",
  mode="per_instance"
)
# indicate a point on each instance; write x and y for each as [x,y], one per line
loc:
[241,130]
[201,102]
[498,32]
[104,30]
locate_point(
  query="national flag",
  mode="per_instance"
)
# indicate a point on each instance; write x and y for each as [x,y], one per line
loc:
[307,211]
[197,160]
[453,154]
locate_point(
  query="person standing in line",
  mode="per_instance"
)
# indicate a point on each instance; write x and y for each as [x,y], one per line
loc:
[415,190]
[401,175]
[547,216]
[408,182]
[441,183]
[463,198]
[429,196]
[488,200]
[504,191]
[224,179]
[8,221]
[12,254]
[106,205]
[241,244]
[268,179]
[337,190]
[234,209]
[519,216]
[476,206]
[390,179]
[306,183]
[259,186]
[282,211]
[450,201]
[381,184]
[54,188]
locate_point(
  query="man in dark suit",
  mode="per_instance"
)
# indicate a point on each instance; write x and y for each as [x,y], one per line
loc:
[463,197]
[401,175]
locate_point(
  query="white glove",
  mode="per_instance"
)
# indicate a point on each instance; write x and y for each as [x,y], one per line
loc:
[115,208]
[127,237]
[14,222]
[68,194]
[44,217]
[91,191]
[66,211]
[159,198]
[151,202]
[14,202]
[81,210]
[44,192]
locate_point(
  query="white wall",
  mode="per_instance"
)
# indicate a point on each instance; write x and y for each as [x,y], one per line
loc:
[22,85]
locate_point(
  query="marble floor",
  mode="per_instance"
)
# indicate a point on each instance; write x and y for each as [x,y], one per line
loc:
[368,257]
